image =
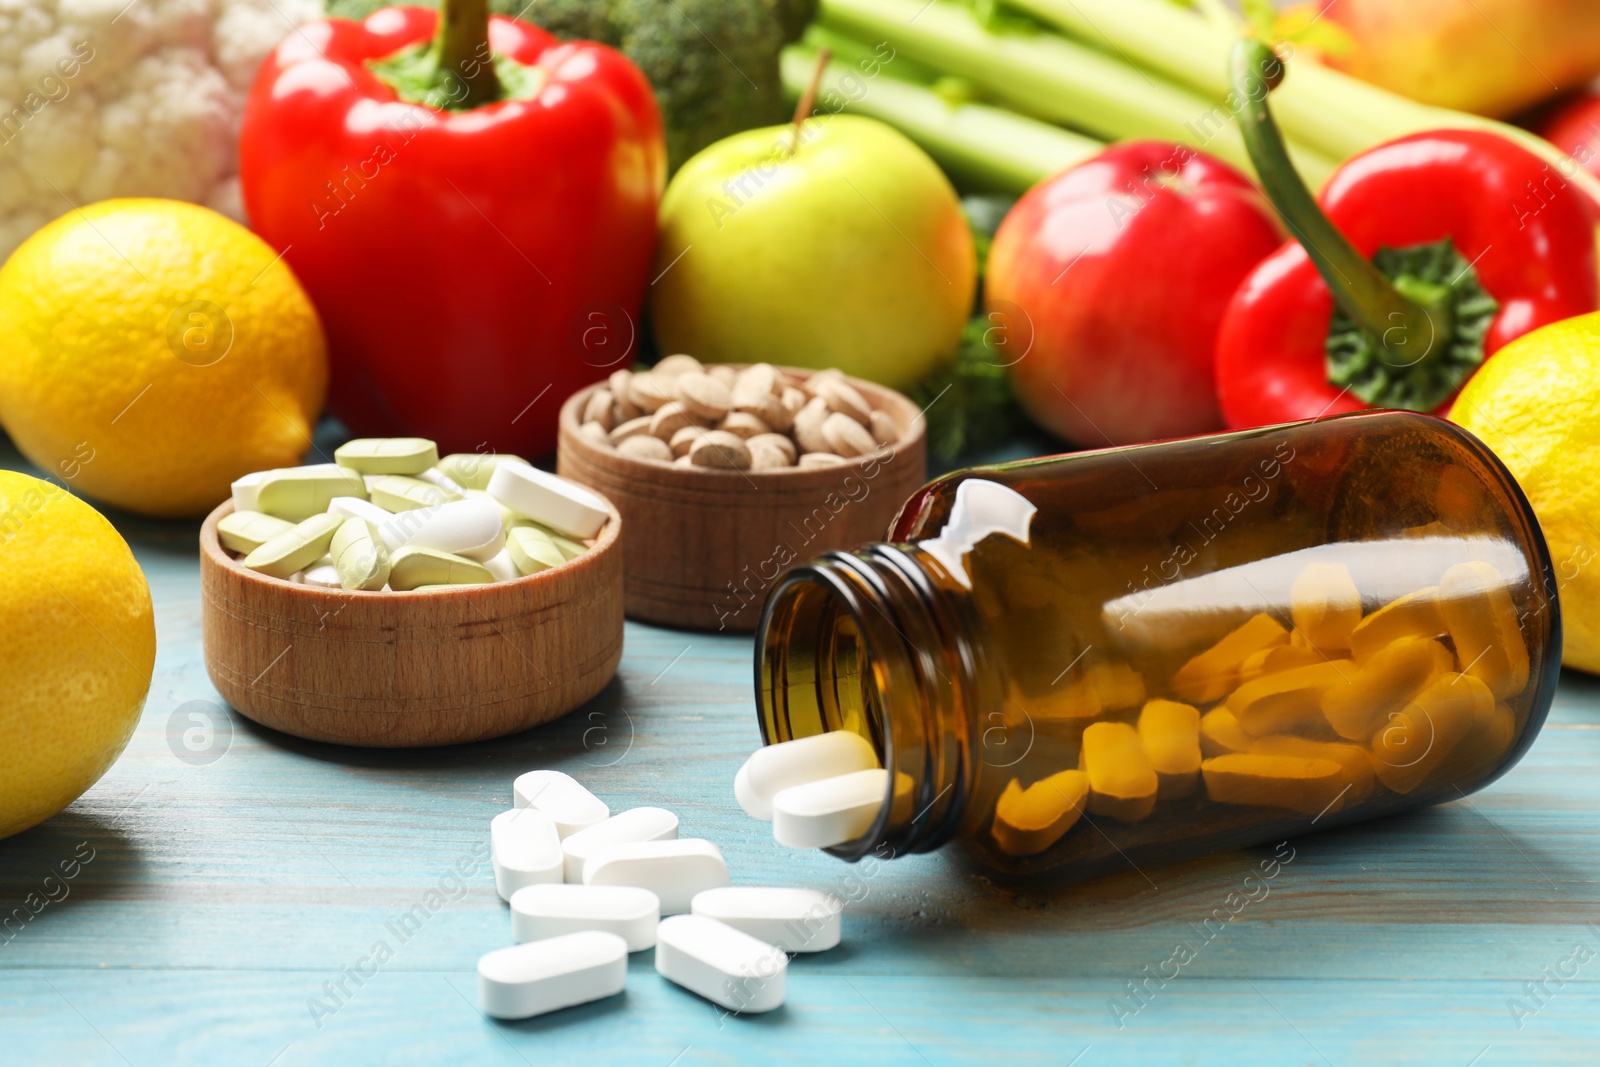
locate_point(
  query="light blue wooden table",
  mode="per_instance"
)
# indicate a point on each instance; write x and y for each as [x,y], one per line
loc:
[228,906]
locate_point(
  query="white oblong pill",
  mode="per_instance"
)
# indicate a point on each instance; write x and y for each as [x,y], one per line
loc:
[354,507]
[539,911]
[468,527]
[724,965]
[525,850]
[435,476]
[796,920]
[786,764]
[635,824]
[541,976]
[541,496]
[561,797]
[673,870]
[502,566]
[244,491]
[829,812]
[322,575]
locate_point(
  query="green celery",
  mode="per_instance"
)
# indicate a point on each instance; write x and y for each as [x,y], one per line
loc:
[982,148]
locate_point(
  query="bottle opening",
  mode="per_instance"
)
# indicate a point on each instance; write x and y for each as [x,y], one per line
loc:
[852,641]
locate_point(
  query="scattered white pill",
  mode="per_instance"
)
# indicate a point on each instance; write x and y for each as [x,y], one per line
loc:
[244,492]
[539,911]
[468,527]
[502,566]
[542,976]
[353,507]
[561,797]
[834,810]
[635,824]
[795,920]
[525,850]
[772,769]
[562,505]
[673,870]
[724,965]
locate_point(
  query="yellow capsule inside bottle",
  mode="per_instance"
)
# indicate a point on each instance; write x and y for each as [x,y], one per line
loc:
[1110,658]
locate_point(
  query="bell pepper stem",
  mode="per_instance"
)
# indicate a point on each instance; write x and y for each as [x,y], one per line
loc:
[1360,289]
[462,46]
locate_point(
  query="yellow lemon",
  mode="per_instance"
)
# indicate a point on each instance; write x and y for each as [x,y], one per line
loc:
[152,351]
[77,646]
[1537,404]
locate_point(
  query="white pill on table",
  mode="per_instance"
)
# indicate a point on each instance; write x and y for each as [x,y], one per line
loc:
[631,913]
[561,797]
[673,870]
[502,566]
[524,849]
[542,976]
[724,965]
[772,769]
[467,527]
[635,824]
[354,507]
[796,920]
[244,491]
[543,497]
[834,810]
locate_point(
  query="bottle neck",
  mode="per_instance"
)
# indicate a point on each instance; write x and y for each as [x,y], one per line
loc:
[869,641]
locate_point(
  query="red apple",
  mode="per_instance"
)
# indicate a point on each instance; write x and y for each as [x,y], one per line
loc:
[1574,127]
[1118,271]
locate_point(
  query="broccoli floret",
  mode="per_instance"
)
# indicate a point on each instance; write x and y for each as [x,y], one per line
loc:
[713,63]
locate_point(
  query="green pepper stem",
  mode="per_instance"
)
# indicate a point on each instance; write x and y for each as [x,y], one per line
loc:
[462,45]
[1358,287]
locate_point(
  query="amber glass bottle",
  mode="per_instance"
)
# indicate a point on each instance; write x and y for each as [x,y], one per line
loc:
[1139,654]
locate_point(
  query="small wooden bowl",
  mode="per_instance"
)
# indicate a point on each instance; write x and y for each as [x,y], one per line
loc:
[704,546]
[402,670]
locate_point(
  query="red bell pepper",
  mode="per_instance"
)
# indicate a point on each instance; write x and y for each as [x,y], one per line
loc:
[473,214]
[1470,245]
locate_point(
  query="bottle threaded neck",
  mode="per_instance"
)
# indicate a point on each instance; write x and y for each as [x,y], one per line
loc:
[869,641]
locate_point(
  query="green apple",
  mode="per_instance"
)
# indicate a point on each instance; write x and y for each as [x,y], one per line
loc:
[845,247]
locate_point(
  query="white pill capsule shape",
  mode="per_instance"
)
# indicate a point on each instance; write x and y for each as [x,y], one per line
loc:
[795,920]
[321,575]
[777,767]
[834,810]
[244,491]
[673,870]
[635,824]
[539,911]
[468,527]
[564,506]
[355,507]
[525,850]
[542,976]
[502,566]
[561,797]
[724,965]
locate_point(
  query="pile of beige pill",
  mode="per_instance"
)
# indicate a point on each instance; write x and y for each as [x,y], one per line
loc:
[760,418]
[388,514]
[587,888]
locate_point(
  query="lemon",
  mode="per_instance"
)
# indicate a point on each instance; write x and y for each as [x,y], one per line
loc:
[77,645]
[152,351]
[1537,405]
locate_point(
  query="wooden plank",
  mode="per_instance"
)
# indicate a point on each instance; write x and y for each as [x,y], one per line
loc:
[221,896]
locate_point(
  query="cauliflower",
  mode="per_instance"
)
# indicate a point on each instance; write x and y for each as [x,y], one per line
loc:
[103,98]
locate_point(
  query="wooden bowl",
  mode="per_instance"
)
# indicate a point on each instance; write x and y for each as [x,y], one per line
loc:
[401,670]
[704,546]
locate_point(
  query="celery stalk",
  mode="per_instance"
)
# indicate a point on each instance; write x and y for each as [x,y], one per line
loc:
[1318,107]
[1053,78]
[982,148]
